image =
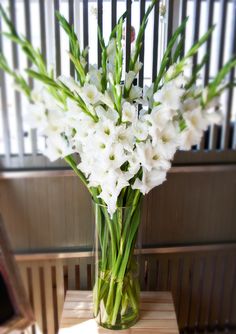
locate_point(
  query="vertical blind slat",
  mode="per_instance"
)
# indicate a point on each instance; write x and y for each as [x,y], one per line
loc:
[196,21]
[28,36]
[128,33]
[225,139]
[183,16]
[5,119]
[222,25]
[42,29]
[18,104]
[170,20]
[28,28]
[57,39]
[71,21]
[113,13]
[99,6]
[85,28]
[223,11]
[43,39]
[210,13]
[155,40]
[197,13]
[141,58]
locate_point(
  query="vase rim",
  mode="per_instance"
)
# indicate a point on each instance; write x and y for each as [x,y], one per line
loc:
[118,207]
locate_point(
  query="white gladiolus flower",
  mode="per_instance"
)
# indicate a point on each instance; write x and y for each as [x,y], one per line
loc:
[105,98]
[36,94]
[110,198]
[140,130]
[125,137]
[56,123]
[190,104]
[134,164]
[94,77]
[36,116]
[74,108]
[169,95]
[159,117]
[137,67]
[194,119]
[110,78]
[205,94]
[90,93]
[213,117]
[188,138]
[149,180]
[70,83]
[111,49]
[114,157]
[144,155]
[106,129]
[151,157]
[129,113]
[118,90]
[180,80]
[51,103]
[84,125]
[168,141]
[57,147]
[148,92]
[114,182]
[171,71]
[135,93]
[110,114]
[129,78]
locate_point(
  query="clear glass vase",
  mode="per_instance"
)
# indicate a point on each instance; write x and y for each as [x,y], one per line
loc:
[116,290]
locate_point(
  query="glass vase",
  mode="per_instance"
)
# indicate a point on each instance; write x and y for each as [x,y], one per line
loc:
[116,290]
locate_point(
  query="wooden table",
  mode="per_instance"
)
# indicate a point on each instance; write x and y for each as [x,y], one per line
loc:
[157,315]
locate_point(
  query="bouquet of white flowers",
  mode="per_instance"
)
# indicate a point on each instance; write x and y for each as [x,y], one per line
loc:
[119,139]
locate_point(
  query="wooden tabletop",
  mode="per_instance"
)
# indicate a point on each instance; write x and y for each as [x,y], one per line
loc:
[157,315]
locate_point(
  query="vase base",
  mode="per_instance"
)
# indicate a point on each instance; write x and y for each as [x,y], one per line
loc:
[119,326]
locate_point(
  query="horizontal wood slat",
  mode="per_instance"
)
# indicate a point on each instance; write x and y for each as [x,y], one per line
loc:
[159,250]
[69,173]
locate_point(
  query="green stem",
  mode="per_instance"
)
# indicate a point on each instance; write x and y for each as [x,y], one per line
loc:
[120,266]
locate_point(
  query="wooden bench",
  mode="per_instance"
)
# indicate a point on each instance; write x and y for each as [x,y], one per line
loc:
[157,315]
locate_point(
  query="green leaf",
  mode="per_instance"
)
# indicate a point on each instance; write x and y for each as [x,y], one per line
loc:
[138,42]
[113,33]
[167,55]
[214,85]
[79,68]
[19,80]
[100,38]
[10,36]
[8,21]
[193,50]
[75,52]
[160,73]
[174,37]
[182,124]
[178,50]
[43,78]
[196,71]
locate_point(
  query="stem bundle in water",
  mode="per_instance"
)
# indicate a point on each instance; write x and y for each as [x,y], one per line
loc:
[116,290]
